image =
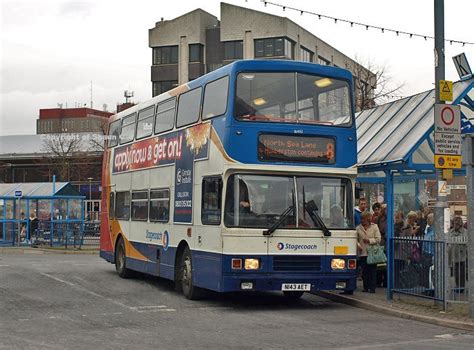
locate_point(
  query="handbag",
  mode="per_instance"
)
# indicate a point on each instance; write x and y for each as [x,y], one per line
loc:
[375,255]
[415,252]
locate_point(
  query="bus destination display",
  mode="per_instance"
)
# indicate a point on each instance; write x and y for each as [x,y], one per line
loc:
[307,149]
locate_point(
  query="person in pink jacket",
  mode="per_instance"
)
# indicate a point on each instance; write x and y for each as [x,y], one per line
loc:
[367,234]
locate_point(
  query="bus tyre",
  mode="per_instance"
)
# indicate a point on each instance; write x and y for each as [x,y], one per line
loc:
[293,295]
[121,260]
[190,291]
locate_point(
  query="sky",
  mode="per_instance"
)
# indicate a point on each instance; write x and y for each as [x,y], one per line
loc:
[51,50]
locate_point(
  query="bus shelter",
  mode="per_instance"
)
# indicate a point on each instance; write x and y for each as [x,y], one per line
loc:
[396,151]
[40,213]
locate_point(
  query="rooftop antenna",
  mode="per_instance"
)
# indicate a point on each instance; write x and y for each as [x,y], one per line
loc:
[92,103]
[128,95]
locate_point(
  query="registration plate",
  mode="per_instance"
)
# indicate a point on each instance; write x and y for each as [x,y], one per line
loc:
[296,286]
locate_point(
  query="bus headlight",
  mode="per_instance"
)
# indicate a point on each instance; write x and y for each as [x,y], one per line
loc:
[251,264]
[338,264]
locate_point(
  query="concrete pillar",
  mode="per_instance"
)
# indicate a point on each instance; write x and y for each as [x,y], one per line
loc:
[248,45]
[297,49]
[183,67]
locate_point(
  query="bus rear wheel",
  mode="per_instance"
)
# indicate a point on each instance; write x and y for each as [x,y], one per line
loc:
[121,260]
[186,276]
[293,295]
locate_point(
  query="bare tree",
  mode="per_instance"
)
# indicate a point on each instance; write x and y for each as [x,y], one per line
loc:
[373,84]
[62,149]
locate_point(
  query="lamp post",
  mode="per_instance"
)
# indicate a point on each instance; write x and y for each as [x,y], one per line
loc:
[90,197]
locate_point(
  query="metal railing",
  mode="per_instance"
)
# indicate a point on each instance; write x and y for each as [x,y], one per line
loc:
[53,233]
[430,269]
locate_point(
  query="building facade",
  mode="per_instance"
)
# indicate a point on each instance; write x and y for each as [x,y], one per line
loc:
[70,120]
[195,43]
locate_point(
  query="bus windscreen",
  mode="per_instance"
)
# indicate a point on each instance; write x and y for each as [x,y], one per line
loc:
[292,98]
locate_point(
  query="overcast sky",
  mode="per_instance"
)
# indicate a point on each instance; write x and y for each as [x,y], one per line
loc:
[51,50]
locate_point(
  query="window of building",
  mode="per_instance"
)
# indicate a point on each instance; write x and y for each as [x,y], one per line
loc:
[323,61]
[306,55]
[233,50]
[274,47]
[215,98]
[188,107]
[196,53]
[162,86]
[145,122]
[165,55]
[128,128]
[122,205]
[140,205]
[111,205]
[159,205]
[165,116]
[211,201]
[114,133]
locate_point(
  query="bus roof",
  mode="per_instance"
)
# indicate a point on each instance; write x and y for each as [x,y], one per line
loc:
[239,66]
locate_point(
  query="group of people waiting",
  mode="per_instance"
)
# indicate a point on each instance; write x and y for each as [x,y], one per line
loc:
[371,230]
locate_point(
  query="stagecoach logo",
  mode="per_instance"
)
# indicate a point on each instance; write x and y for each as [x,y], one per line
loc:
[159,236]
[295,247]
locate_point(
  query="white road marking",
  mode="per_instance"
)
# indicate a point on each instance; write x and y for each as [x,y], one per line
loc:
[4,265]
[145,308]
[156,310]
[402,343]
[148,307]
[445,336]
[57,279]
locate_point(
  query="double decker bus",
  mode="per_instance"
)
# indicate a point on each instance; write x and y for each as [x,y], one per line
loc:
[240,180]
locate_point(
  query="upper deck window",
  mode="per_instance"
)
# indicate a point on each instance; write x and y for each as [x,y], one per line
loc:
[114,132]
[292,98]
[145,122]
[128,128]
[215,98]
[165,116]
[189,105]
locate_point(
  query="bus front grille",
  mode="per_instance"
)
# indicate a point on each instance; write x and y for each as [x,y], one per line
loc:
[295,263]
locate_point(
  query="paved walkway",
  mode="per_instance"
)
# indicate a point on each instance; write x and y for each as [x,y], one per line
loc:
[405,306]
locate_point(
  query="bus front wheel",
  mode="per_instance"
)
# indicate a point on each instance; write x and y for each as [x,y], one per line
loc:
[186,276]
[121,260]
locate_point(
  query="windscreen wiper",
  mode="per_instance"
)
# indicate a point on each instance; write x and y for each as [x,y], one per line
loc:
[312,210]
[282,218]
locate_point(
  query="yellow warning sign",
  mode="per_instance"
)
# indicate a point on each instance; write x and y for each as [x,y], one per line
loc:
[447,162]
[445,90]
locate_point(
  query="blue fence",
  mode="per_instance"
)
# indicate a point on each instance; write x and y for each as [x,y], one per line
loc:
[430,269]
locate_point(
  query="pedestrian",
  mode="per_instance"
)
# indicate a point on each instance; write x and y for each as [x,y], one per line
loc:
[367,234]
[375,211]
[382,225]
[428,252]
[359,210]
[34,222]
[457,254]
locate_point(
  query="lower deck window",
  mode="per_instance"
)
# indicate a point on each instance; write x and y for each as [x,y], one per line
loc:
[159,205]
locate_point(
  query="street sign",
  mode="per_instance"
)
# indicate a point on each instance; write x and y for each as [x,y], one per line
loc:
[447,174]
[442,188]
[447,118]
[462,65]
[448,143]
[445,90]
[18,193]
[447,162]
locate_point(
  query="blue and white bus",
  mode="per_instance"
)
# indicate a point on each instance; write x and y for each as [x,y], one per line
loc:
[240,180]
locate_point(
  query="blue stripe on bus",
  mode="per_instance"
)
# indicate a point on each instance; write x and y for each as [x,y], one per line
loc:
[213,270]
